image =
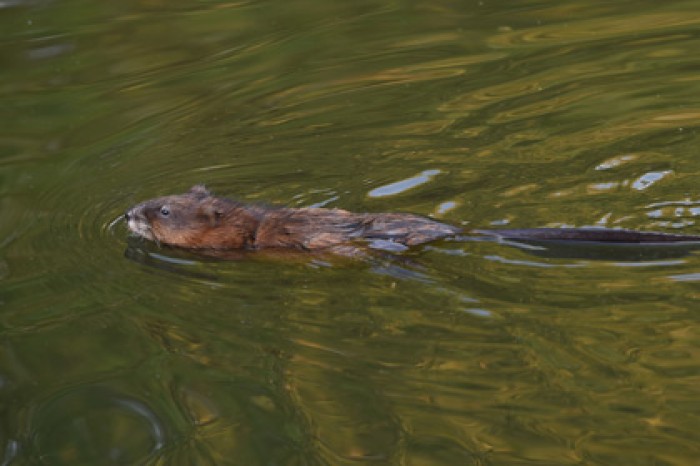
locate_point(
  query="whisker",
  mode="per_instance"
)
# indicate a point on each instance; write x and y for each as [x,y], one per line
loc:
[111,224]
[155,238]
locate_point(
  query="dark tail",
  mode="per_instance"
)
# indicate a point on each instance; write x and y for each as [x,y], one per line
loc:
[591,235]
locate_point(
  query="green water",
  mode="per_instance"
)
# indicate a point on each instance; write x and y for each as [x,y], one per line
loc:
[482,113]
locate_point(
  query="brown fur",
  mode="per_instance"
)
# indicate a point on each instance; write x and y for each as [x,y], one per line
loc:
[198,220]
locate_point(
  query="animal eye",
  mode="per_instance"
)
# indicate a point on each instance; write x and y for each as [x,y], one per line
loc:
[164,211]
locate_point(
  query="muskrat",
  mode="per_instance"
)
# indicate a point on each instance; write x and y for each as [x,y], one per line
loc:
[199,220]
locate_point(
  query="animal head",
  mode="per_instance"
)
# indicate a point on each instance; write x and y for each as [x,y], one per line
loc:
[179,220]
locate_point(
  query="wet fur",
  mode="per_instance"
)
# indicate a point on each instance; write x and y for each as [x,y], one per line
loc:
[198,220]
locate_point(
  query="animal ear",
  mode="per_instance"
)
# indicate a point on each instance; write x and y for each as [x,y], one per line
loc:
[211,213]
[200,191]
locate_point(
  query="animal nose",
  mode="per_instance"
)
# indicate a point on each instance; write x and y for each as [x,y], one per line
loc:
[128,215]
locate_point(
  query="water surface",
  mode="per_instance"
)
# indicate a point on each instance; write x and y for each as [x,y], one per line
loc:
[481,114]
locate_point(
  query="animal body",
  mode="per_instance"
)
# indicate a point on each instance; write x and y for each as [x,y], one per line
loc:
[199,220]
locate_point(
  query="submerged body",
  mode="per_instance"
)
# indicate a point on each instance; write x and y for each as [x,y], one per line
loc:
[199,220]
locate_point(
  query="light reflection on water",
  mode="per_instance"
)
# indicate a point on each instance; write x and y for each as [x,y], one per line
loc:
[399,187]
[116,351]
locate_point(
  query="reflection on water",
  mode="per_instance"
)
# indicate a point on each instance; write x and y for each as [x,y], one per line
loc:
[399,187]
[92,424]
[523,114]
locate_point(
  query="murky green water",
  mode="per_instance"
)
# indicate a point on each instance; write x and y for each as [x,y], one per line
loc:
[482,113]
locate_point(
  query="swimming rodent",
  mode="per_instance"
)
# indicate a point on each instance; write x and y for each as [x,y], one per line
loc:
[200,220]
